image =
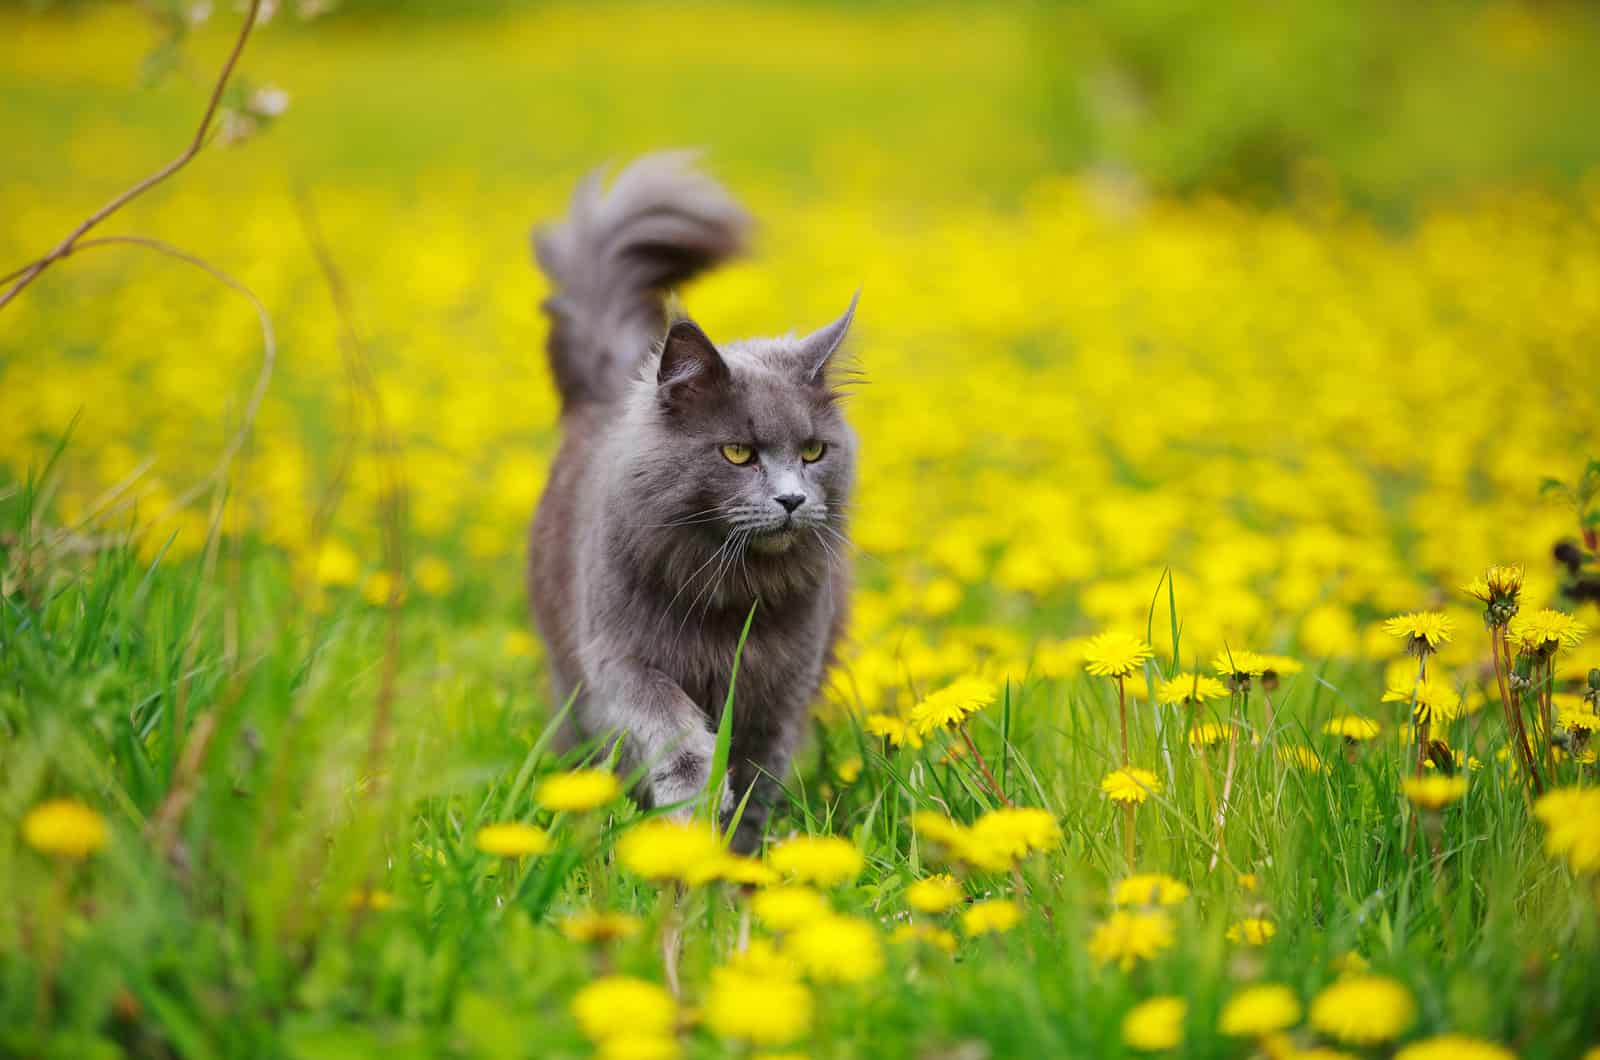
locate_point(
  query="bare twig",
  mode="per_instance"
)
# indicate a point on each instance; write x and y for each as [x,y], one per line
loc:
[269,357]
[28,273]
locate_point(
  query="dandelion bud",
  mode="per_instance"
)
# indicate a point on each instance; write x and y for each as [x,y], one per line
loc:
[1594,679]
[1497,590]
[1504,581]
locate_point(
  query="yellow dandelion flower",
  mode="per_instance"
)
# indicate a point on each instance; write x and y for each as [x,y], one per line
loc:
[1151,888]
[1569,816]
[434,576]
[1575,715]
[593,925]
[1260,1010]
[1364,1010]
[337,564]
[1349,963]
[1115,654]
[787,907]
[1437,701]
[823,860]
[1253,931]
[651,1010]
[380,586]
[64,828]
[895,729]
[766,1009]
[1238,665]
[512,839]
[1434,792]
[1498,584]
[1207,734]
[1455,1047]
[935,894]
[661,849]
[917,934]
[373,898]
[1303,757]
[1129,937]
[519,644]
[993,917]
[763,958]
[1130,785]
[850,769]
[1189,689]
[1280,666]
[1155,1025]
[734,868]
[836,949]
[1546,632]
[578,790]
[950,706]
[1423,631]
[629,1046]
[1016,831]
[1247,881]
[1352,727]
[938,828]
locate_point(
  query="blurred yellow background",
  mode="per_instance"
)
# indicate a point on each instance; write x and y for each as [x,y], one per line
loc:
[1129,304]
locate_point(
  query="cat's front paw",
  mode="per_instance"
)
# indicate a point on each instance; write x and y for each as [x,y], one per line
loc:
[681,779]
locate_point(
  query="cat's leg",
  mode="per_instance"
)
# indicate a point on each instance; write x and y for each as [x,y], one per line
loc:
[759,761]
[662,729]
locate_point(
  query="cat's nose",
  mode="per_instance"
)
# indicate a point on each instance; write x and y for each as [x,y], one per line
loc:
[790,501]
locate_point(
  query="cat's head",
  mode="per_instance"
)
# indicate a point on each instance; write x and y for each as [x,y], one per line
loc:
[745,448]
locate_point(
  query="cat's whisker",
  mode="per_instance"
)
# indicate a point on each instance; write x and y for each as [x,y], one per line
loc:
[716,556]
[708,515]
[717,576]
[690,579]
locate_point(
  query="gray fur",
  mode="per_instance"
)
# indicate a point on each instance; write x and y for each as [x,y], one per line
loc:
[649,546]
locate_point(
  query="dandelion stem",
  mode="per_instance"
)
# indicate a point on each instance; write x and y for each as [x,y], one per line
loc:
[983,765]
[1227,775]
[1122,713]
[1515,734]
[1419,726]
[1546,689]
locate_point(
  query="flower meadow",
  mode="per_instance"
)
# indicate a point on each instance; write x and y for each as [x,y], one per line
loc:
[1213,686]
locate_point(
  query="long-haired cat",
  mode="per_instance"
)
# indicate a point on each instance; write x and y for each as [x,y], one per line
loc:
[694,480]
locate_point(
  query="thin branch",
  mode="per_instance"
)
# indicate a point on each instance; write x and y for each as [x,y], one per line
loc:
[269,355]
[28,273]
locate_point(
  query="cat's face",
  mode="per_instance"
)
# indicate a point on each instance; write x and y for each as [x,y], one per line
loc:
[749,452]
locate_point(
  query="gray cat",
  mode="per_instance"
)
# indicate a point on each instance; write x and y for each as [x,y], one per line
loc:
[693,481]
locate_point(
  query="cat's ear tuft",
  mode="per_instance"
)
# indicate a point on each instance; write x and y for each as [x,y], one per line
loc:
[817,349]
[690,365]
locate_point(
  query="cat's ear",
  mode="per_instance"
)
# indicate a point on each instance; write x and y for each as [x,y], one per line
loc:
[690,365]
[816,350]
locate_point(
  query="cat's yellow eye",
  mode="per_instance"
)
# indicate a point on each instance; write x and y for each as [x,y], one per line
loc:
[738,454]
[812,452]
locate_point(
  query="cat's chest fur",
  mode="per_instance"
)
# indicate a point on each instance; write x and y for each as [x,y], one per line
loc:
[695,644]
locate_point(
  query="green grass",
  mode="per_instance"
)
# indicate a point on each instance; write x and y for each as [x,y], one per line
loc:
[265,749]
[231,934]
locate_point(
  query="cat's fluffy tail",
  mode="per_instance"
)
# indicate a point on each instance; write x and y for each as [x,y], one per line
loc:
[612,261]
